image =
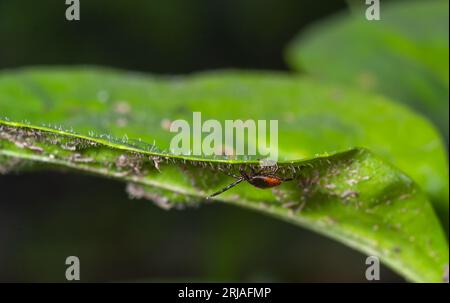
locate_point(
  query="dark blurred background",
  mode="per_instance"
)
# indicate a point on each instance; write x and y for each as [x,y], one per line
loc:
[47,216]
[158,36]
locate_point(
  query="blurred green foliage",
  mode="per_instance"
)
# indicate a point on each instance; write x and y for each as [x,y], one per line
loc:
[404,55]
[159,36]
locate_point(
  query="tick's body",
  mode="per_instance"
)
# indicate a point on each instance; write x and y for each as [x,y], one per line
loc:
[264,181]
[258,179]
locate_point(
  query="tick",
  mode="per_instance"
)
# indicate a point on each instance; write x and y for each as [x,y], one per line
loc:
[261,179]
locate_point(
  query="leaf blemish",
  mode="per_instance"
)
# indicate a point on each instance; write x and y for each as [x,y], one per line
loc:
[122,107]
[136,191]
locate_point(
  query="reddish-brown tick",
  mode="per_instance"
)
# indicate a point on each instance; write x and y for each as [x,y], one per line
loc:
[260,179]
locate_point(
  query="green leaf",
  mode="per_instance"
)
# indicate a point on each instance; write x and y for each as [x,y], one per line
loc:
[404,55]
[339,151]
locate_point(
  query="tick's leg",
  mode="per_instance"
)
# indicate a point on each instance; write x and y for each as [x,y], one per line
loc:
[226,188]
[244,175]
